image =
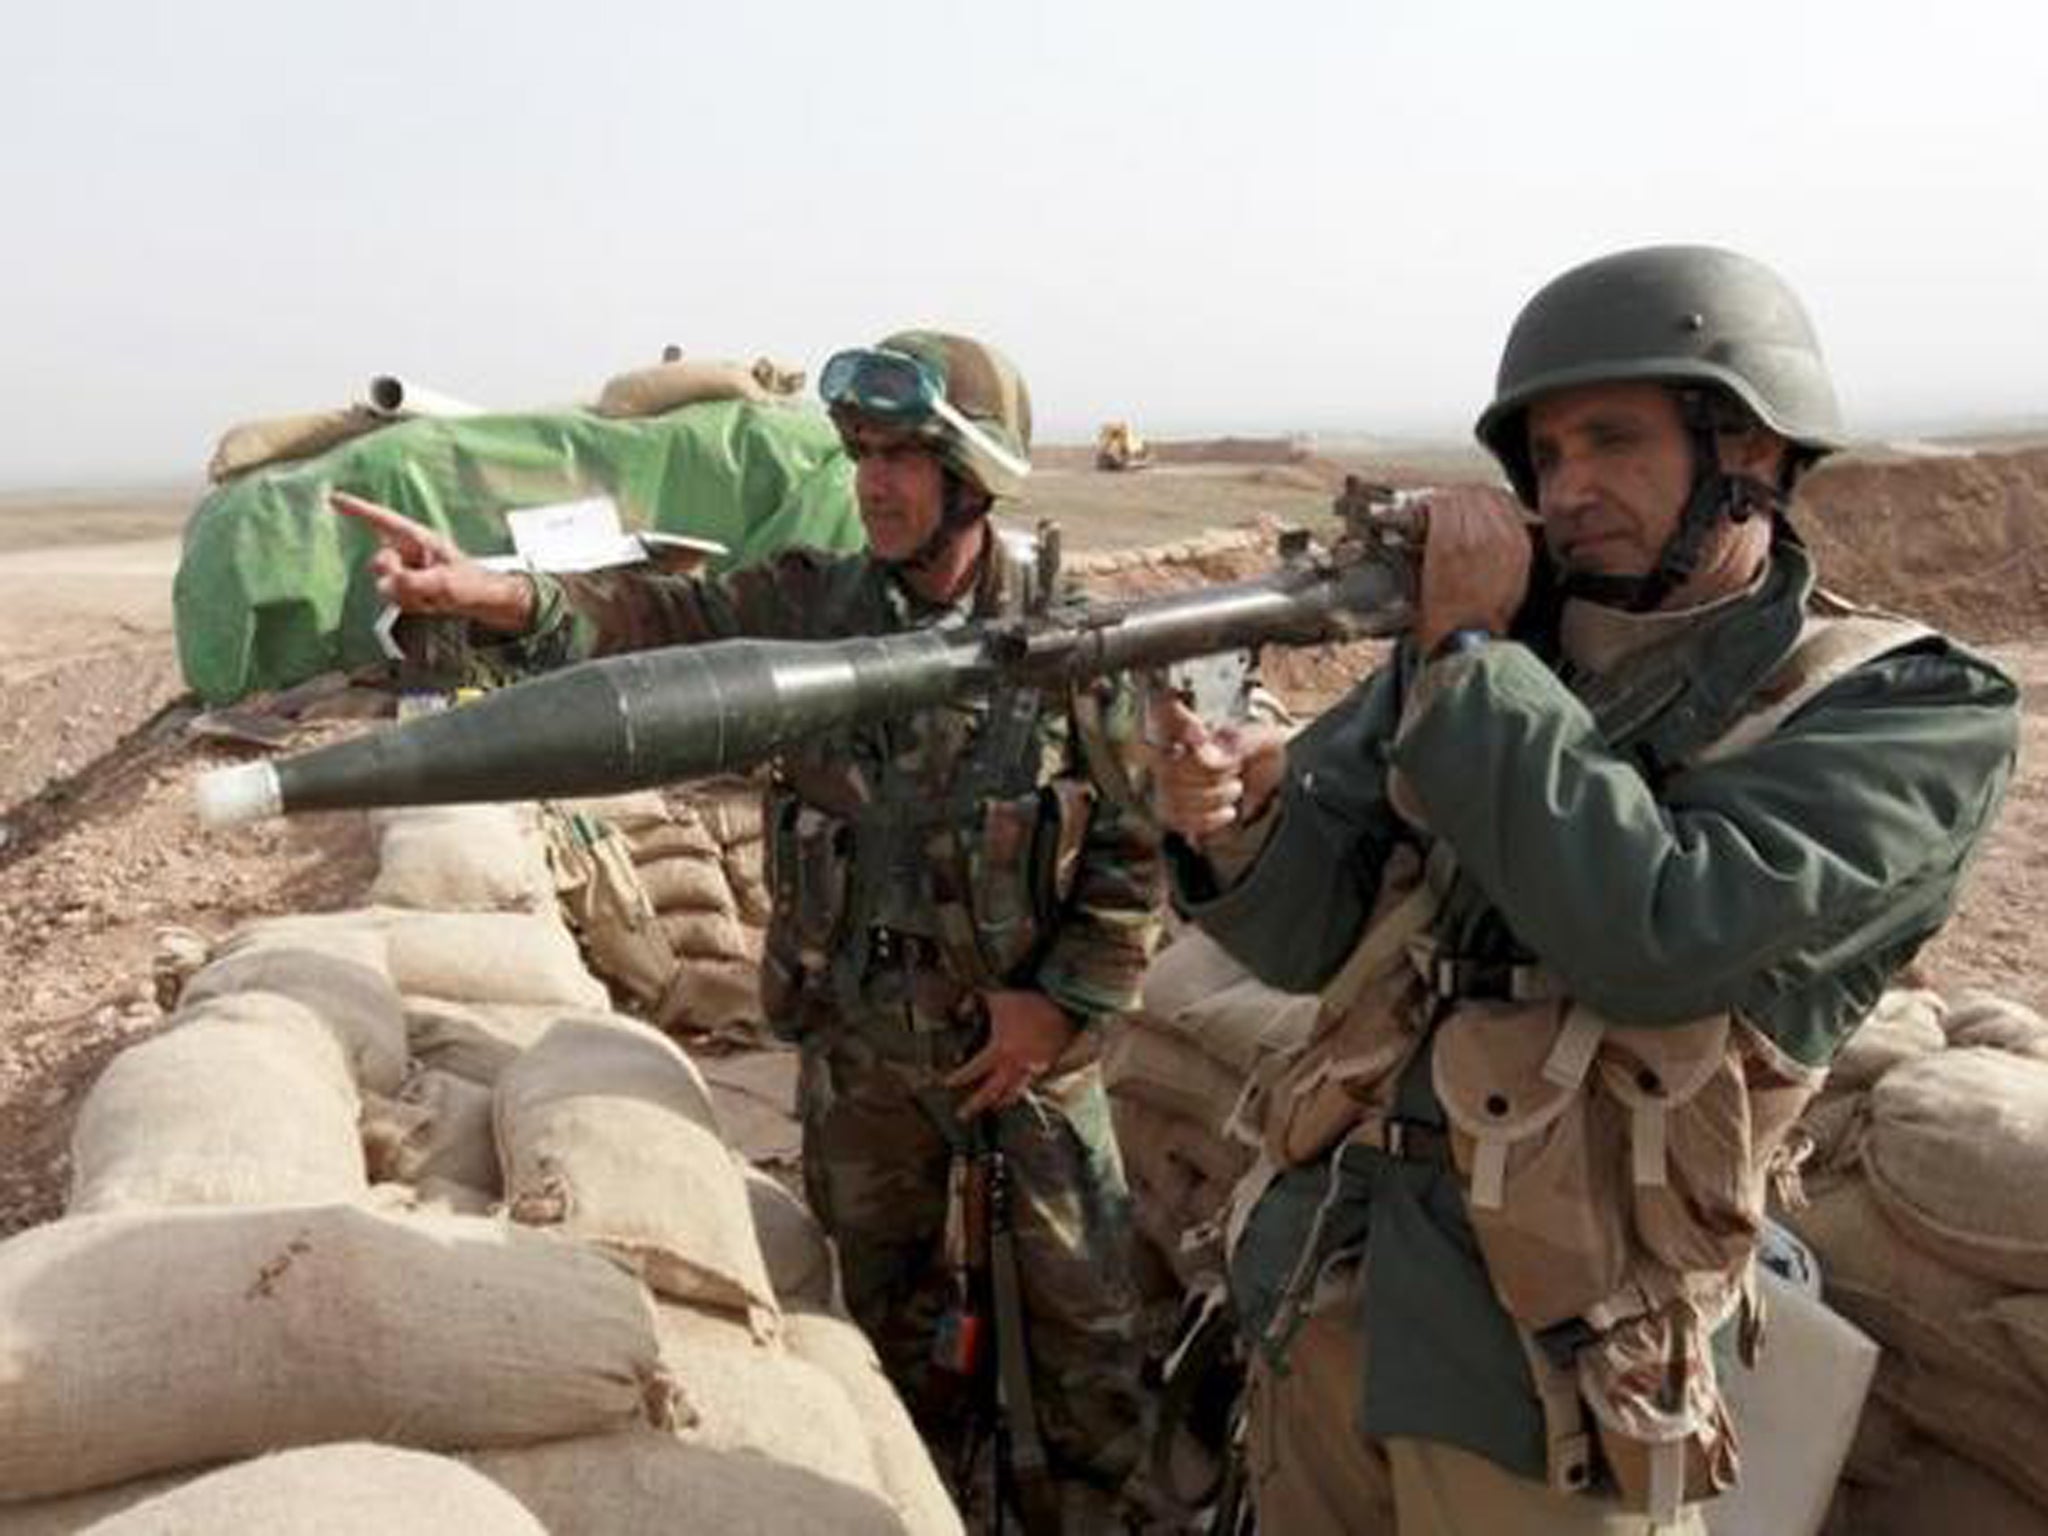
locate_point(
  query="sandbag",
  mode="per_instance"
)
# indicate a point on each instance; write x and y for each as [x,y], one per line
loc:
[473,957]
[749,1395]
[439,1128]
[2005,1434]
[1944,1495]
[901,1459]
[461,858]
[643,1483]
[665,386]
[711,995]
[730,809]
[474,1040]
[1981,1018]
[1905,1023]
[251,444]
[349,1489]
[1164,1071]
[70,1513]
[340,970]
[1908,1299]
[1197,993]
[606,1132]
[794,1247]
[687,884]
[1958,1157]
[2024,1320]
[141,1342]
[490,957]
[246,1100]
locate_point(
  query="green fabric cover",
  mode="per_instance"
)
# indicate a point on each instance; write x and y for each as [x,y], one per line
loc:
[271,588]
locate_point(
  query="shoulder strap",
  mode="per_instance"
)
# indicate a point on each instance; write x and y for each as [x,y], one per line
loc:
[1836,638]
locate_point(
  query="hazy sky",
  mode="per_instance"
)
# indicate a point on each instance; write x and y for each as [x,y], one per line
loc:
[1205,216]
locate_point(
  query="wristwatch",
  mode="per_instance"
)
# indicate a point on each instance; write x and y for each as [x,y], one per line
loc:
[1459,641]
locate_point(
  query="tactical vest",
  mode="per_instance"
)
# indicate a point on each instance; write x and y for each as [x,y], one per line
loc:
[915,863]
[1615,1176]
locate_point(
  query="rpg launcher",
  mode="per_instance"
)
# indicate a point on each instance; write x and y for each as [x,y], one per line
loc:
[693,711]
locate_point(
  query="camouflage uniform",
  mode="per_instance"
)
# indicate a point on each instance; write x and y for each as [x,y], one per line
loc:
[916,863]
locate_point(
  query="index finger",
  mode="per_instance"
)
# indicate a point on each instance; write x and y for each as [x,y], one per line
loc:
[387,523]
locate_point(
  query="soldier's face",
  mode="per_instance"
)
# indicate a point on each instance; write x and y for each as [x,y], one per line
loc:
[1613,465]
[901,489]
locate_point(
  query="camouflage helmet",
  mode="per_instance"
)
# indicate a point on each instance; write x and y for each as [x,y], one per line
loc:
[1677,314]
[979,417]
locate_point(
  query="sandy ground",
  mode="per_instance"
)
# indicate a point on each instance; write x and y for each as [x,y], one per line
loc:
[99,849]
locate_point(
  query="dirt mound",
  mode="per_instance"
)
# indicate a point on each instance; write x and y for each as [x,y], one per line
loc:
[1960,542]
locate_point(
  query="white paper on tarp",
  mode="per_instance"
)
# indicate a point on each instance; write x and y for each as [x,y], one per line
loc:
[566,536]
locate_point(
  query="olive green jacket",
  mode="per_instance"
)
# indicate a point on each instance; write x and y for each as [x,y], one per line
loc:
[1787,882]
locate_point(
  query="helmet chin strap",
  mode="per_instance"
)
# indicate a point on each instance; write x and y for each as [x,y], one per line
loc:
[964,506]
[1713,495]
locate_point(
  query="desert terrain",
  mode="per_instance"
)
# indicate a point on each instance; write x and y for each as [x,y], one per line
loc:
[99,849]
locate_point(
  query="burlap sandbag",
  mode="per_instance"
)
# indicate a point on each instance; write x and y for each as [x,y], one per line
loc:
[711,995]
[667,386]
[794,1247]
[2025,1321]
[689,884]
[2006,1434]
[70,1513]
[439,1127]
[606,1132]
[476,957]
[339,970]
[461,858]
[730,808]
[141,1342]
[648,1484]
[349,1489]
[1146,1066]
[490,957]
[475,1040]
[1196,993]
[1201,1148]
[1958,1157]
[748,1395]
[1942,1495]
[1907,1299]
[251,444]
[1981,1018]
[746,871]
[245,1100]
[1834,1124]
[901,1459]
[1906,1023]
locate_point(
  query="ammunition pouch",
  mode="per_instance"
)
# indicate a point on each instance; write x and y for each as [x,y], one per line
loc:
[605,902]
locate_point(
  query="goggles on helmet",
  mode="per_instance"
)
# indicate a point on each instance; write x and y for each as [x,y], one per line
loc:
[893,386]
[901,390]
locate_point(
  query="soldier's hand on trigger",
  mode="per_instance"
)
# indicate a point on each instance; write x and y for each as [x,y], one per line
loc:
[1205,781]
[1476,555]
[1027,1031]
[420,571]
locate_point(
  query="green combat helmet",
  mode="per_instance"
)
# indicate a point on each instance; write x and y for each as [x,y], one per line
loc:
[963,394]
[1676,314]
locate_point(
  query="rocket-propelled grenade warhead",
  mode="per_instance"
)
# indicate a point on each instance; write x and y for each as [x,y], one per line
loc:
[692,711]
[602,727]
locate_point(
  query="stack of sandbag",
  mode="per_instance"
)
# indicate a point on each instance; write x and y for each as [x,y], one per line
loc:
[666,894]
[1925,1207]
[1175,1071]
[399,1175]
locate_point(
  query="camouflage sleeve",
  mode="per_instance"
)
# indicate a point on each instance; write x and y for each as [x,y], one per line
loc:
[605,612]
[1111,921]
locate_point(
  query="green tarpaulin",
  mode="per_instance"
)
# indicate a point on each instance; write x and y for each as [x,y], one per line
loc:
[272,589]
